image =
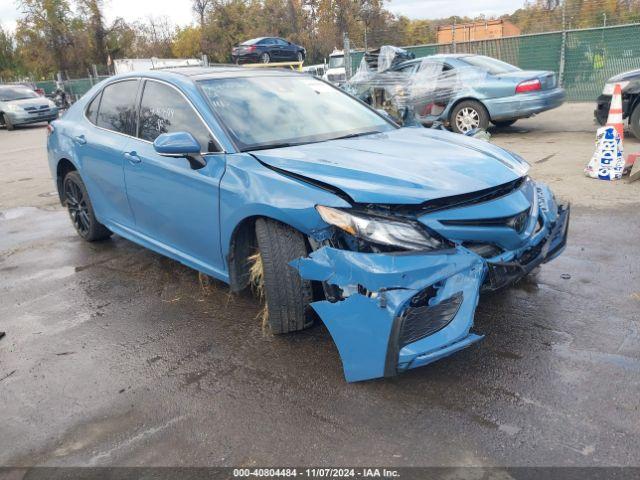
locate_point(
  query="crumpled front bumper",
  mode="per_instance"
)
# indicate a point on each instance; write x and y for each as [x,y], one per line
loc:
[405,310]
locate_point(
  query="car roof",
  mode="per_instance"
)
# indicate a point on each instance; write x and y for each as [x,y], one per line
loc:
[197,73]
[441,56]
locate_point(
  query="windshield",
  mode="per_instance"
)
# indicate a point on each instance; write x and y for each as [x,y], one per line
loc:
[336,62]
[8,94]
[277,111]
[490,65]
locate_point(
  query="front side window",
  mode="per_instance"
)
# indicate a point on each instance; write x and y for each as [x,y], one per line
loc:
[164,110]
[279,110]
[118,107]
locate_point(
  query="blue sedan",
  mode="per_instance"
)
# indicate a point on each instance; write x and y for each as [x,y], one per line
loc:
[467,91]
[284,182]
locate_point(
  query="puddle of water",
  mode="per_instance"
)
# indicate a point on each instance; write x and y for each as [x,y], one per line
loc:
[14,213]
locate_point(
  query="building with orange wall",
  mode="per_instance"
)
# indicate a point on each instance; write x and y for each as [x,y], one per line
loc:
[468,32]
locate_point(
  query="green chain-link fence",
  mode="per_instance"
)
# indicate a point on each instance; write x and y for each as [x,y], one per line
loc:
[591,56]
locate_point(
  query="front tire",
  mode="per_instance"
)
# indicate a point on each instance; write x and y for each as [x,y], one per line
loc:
[467,115]
[78,203]
[7,123]
[300,57]
[287,295]
[634,122]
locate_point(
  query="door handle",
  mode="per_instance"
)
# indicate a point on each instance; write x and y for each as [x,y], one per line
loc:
[132,157]
[80,139]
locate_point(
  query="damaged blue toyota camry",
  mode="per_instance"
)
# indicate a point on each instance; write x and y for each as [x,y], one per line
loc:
[272,178]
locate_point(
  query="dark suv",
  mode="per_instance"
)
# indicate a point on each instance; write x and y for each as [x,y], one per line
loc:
[266,50]
[630,82]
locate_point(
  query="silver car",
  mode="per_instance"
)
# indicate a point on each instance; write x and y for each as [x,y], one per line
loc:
[21,106]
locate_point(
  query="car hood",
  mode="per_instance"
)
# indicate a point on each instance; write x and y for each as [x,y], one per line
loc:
[405,166]
[30,102]
[631,75]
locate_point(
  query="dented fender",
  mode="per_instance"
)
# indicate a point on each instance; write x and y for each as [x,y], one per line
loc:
[372,322]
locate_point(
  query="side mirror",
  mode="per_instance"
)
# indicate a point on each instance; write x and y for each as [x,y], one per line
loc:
[180,144]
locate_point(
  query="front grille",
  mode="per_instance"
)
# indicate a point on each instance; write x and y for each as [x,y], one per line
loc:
[518,222]
[422,321]
[457,201]
[38,109]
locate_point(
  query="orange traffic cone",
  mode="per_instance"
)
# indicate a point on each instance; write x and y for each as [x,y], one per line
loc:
[615,111]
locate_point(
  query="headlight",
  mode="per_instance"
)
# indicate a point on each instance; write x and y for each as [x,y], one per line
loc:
[51,104]
[12,107]
[381,230]
[609,87]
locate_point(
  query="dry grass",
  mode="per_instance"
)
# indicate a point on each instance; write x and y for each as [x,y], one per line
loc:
[256,278]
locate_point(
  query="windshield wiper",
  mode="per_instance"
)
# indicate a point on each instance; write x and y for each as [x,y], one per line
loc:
[275,145]
[354,135]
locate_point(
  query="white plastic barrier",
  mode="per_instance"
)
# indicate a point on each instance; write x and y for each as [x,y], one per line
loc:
[607,162]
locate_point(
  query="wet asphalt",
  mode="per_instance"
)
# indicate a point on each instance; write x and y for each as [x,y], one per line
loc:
[115,355]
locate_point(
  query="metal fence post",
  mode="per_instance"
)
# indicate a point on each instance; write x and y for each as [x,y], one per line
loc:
[347,55]
[563,46]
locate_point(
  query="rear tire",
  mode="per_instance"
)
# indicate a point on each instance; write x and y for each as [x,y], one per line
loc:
[467,115]
[634,122]
[265,58]
[78,203]
[287,295]
[503,123]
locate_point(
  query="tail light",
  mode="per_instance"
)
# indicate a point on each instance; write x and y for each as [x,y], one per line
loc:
[50,130]
[529,86]
[251,48]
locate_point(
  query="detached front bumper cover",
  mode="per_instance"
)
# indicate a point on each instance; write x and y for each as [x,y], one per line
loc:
[405,310]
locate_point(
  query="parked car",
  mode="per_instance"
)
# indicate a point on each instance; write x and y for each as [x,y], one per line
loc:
[389,234]
[20,105]
[630,83]
[266,50]
[466,91]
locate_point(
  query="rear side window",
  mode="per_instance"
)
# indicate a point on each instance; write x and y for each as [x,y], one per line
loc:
[164,110]
[118,109]
[92,109]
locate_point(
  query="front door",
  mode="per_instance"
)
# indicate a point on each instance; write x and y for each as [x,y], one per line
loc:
[175,207]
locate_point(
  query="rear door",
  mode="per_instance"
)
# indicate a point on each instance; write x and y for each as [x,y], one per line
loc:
[100,144]
[174,206]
